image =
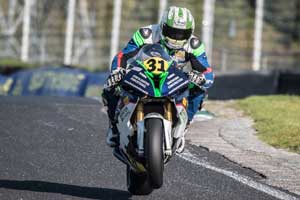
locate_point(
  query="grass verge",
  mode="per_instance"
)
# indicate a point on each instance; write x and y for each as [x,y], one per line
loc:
[15,63]
[277,119]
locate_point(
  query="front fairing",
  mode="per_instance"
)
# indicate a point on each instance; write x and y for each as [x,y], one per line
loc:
[168,84]
[175,83]
[136,82]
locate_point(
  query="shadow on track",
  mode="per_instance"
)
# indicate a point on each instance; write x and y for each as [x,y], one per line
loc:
[73,190]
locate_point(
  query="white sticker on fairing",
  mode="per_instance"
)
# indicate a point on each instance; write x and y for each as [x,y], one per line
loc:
[124,126]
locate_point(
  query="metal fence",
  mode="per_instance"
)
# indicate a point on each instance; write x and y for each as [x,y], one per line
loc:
[85,33]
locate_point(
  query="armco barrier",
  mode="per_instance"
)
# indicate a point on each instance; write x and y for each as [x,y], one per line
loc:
[52,81]
[235,86]
[289,83]
[95,83]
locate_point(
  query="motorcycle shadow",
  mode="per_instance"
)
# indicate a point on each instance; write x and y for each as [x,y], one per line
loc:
[65,189]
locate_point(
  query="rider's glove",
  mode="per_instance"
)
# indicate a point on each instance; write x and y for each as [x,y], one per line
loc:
[115,77]
[197,78]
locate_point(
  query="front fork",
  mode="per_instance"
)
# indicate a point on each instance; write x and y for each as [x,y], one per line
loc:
[167,121]
[140,127]
[168,127]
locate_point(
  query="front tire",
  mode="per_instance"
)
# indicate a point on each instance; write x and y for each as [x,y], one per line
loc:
[154,151]
[138,184]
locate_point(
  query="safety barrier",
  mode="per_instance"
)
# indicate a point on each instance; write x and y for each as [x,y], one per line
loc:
[63,81]
[241,85]
[52,81]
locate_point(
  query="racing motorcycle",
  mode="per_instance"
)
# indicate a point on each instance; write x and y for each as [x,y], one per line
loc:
[151,117]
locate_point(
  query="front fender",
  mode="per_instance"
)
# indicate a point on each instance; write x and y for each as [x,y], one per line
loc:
[154,115]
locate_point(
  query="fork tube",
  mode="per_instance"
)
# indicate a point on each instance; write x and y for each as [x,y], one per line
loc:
[140,112]
[140,127]
[168,127]
[168,111]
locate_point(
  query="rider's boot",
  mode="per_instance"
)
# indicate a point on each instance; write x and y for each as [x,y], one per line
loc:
[181,143]
[110,100]
[181,140]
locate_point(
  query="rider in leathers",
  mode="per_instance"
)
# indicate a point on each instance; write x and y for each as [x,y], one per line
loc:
[175,32]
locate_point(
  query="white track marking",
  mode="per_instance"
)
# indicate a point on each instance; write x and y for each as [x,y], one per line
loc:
[186,155]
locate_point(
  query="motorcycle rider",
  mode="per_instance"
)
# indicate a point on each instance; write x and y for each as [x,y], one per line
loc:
[175,32]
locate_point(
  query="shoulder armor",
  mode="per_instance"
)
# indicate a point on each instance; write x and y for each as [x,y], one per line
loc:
[145,32]
[195,43]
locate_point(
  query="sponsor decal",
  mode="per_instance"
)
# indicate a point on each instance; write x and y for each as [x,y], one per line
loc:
[55,81]
[141,82]
[179,86]
[143,75]
[137,69]
[171,81]
[180,22]
[171,76]
[155,54]
[175,83]
[136,87]
[5,85]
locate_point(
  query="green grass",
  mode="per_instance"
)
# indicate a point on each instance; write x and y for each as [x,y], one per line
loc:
[277,119]
[7,62]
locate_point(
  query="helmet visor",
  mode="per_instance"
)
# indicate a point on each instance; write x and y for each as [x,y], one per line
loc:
[176,33]
[174,44]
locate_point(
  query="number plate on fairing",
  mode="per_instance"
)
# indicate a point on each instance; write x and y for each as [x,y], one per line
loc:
[156,65]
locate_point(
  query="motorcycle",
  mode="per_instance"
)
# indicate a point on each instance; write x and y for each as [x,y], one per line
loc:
[152,117]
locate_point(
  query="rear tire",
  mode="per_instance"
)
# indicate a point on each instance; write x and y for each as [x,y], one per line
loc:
[154,151]
[138,184]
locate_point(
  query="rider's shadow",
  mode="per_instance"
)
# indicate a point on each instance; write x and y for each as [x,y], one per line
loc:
[65,189]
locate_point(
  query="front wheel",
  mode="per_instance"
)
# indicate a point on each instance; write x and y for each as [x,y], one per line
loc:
[154,151]
[138,184]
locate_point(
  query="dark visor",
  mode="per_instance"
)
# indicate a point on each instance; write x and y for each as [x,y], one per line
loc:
[176,33]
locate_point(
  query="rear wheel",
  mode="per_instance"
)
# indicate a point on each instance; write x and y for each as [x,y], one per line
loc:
[154,151]
[138,184]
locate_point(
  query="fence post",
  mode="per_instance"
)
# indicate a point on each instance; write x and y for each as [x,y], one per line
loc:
[162,8]
[114,43]
[259,13]
[26,30]
[69,32]
[224,60]
[208,26]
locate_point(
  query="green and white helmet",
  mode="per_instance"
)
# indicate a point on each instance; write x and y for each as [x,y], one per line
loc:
[177,25]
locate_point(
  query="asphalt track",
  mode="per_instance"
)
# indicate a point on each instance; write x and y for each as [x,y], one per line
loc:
[53,148]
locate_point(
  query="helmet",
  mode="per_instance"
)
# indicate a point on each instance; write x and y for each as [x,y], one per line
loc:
[177,25]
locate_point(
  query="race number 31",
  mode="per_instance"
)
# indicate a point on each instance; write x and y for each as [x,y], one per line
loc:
[156,65]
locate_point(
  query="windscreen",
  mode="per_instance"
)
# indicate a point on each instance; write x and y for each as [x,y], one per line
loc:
[152,50]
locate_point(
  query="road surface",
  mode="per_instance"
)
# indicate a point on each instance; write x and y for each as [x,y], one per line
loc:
[54,148]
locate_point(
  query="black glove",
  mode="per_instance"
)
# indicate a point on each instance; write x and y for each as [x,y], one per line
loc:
[197,78]
[115,77]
